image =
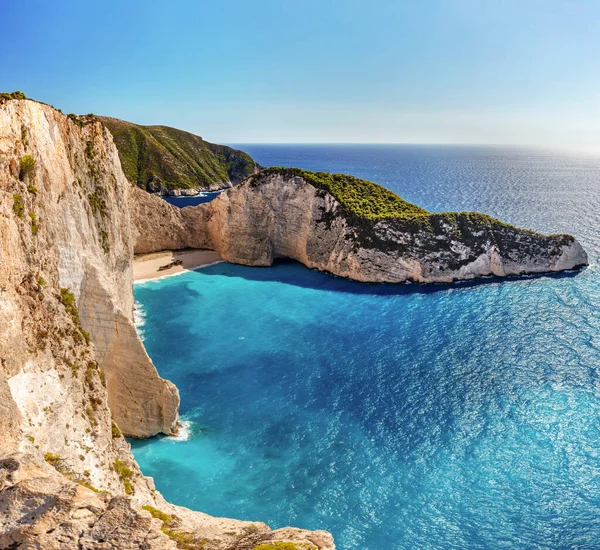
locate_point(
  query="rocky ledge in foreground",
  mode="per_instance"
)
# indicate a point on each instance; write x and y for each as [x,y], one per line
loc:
[349,227]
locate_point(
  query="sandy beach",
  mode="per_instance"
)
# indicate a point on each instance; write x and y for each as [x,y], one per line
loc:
[145,266]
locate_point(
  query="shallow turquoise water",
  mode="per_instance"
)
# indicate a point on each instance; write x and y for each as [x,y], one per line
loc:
[397,417]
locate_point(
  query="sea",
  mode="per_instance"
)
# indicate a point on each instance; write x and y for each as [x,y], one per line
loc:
[461,416]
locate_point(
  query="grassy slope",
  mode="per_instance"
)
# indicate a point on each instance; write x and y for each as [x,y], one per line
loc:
[361,197]
[175,159]
[365,201]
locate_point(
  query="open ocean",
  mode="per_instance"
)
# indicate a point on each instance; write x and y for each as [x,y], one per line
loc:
[396,417]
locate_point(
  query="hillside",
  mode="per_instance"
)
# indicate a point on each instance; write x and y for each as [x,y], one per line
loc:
[168,161]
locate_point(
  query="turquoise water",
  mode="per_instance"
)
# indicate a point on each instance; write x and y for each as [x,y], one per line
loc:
[397,417]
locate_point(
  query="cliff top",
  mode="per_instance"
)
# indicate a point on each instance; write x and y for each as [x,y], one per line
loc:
[364,198]
[370,201]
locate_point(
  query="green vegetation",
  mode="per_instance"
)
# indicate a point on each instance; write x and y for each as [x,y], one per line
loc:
[42,282]
[89,149]
[54,460]
[67,299]
[35,227]
[165,518]
[27,168]
[24,138]
[184,541]
[81,120]
[363,198]
[57,462]
[74,369]
[116,433]
[159,157]
[125,474]
[14,95]
[89,411]
[18,205]
[104,241]
[98,204]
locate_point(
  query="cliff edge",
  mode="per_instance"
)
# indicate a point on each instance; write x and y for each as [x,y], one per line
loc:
[74,376]
[351,228]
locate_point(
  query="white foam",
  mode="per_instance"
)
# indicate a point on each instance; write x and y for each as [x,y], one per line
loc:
[184,433]
[139,318]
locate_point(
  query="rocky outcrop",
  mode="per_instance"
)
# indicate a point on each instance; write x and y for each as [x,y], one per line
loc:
[67,223]
[41,507]
[74,376]
[281,213]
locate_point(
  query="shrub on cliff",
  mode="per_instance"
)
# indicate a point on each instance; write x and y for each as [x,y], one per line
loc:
[125,474]
[27,168]
[35,226]
[18,205]
[6,96]
[361,197]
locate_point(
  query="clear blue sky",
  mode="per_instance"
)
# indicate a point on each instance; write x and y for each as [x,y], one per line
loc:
[430,71]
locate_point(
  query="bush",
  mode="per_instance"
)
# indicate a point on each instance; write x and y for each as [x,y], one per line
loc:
[54,460]
[162,516]
[24,139]
[67,299]
[35,227]
[116,433]
[363,198]
[125,474]
[27,168]
[18,205]
[15,95]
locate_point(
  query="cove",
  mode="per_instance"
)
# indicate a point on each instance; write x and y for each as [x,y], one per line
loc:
[410,416]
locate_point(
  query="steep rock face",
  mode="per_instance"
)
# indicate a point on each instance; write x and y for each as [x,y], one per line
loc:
[68,350]
[282,213]
[67,223]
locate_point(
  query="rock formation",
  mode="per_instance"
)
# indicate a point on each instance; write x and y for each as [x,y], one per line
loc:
[74,375]
[350,228]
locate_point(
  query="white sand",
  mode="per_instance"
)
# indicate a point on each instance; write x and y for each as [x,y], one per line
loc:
[145,266]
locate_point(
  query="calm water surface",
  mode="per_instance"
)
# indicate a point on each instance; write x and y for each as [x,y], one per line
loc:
[397,417]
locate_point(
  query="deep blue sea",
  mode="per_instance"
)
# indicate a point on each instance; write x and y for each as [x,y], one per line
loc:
[192,200]
[397,417]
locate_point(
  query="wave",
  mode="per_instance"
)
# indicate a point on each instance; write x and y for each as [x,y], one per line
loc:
[184,433]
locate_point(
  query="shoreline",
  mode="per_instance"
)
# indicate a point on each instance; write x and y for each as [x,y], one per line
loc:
[145,266]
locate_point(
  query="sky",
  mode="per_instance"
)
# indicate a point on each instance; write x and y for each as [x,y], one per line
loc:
[522,72]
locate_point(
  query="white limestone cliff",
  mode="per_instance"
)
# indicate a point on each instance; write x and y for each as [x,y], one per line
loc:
[278,213]
[74,376]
